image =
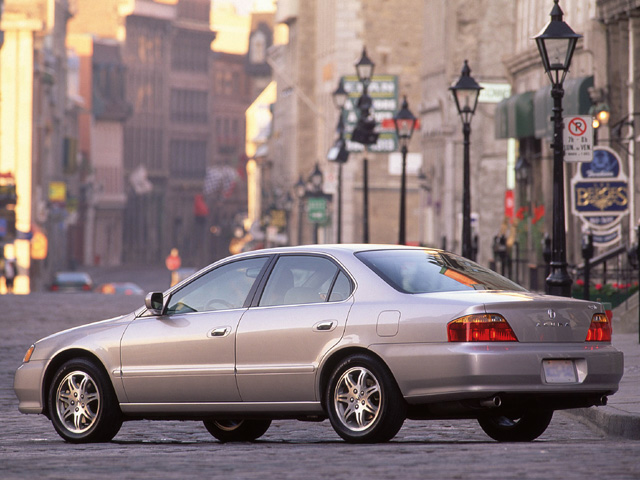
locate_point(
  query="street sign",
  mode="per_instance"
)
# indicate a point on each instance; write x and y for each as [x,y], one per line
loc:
[383,91]
[578,138]
[600,196]
[317,209]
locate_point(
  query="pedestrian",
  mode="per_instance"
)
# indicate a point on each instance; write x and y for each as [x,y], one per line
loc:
[9,273]
[173,263]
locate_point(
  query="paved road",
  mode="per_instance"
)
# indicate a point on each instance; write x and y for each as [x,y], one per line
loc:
[30,448]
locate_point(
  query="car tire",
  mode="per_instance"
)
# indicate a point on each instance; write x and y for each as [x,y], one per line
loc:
[525,428]
[82,404]
[237,430]
[364,403]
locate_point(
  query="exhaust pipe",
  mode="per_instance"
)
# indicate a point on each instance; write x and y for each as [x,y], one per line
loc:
[602,401]
[493,402]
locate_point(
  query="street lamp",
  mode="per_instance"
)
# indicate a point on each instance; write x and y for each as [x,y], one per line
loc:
[339,152]
[405,123]
[556,43]
[314,187]
[364,132]
[300,189]
[465,93]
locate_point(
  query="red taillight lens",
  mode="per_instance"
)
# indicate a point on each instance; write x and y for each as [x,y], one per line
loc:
[86,288]
[488,327]
[600,329]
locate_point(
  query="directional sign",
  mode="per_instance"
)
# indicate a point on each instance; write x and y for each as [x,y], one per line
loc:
[578,138]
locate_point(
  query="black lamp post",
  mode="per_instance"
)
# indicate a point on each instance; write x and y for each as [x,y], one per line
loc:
[405,123]
[556,43]
[364,132]
[316,179]
[339,151]
[300,189]
[465,93]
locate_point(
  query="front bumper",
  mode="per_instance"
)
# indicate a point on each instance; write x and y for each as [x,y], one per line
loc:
[27,384]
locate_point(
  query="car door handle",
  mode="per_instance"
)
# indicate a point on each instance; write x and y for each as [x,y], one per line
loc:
[325,326]
[220,332]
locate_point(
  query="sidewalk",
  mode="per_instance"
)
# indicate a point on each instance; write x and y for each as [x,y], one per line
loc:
[621,416]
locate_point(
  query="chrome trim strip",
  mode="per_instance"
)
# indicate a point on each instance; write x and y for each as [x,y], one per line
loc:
[155,372]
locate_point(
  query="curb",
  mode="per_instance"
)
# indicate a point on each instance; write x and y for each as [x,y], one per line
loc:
[610,421]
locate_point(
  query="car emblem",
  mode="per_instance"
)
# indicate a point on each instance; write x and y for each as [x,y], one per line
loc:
[551,313]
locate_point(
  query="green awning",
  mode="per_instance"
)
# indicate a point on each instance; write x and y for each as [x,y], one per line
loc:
[576,101]
[514,116]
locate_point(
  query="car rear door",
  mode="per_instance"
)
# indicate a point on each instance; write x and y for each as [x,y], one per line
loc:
[300,315]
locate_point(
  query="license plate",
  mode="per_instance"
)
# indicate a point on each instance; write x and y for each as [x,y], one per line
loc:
[559,371]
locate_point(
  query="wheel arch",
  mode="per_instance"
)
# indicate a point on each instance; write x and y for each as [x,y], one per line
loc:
[60,359]
[338,356]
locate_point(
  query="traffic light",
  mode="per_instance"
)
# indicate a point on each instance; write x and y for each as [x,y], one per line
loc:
[7,225]
[8,195]
[364,132]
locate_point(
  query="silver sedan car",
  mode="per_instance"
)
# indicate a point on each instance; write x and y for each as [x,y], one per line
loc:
[364,335]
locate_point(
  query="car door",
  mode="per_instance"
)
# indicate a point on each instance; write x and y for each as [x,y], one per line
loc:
[188,353]
[300,315]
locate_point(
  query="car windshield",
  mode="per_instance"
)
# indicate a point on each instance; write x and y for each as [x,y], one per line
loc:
[427,271]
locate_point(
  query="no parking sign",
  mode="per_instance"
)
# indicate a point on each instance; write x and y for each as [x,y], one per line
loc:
[578,138]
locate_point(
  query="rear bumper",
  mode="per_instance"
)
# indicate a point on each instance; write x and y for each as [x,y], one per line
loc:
[432,373]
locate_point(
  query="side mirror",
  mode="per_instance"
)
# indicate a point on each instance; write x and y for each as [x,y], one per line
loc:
[154,303]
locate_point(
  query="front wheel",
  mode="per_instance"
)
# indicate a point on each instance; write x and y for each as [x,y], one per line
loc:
[523,428]
[363,401]
[82,404]
[237,430]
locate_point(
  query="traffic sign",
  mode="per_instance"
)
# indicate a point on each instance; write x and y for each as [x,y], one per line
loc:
[578,138]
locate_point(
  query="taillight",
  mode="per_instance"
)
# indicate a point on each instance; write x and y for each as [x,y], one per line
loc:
[600,329]
[489,327]
[86,288]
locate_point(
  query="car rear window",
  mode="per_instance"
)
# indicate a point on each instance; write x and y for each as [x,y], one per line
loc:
[427,271]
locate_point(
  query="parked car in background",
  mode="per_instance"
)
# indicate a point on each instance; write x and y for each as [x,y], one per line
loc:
[364,335]
[120,288]
[71,282]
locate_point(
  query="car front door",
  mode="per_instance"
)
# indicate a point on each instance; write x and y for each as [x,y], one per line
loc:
[280,342]
[187,354]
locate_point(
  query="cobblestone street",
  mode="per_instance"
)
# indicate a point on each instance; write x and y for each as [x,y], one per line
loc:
[30,448]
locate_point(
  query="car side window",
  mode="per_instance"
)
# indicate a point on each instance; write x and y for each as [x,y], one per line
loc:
[224,287]
[300,279]
[341,288]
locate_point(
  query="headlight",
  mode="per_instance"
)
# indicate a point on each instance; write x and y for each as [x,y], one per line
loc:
[27,356]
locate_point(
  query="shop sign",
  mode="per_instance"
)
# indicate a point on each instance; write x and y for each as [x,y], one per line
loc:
[600,195]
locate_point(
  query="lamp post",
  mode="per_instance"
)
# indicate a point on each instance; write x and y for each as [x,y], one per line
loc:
[465,93]
[300,189]
[405,123]
[556,43]
[339,152]
[316,179]
[364,132]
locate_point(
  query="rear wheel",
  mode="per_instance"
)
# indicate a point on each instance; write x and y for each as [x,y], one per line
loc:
[237,430]
[523,428]
[82,404]
[363,401]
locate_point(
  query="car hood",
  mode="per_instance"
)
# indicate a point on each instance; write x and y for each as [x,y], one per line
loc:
[533,317]
[99,334]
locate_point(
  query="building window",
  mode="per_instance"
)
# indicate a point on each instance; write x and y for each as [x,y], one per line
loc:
[187,159]
[189,106]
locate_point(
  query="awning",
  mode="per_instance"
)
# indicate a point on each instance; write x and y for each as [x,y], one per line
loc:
[576,101]
[514,116]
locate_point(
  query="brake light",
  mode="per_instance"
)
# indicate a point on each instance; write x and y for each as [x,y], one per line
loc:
[600,329]
[86,288]
[489,327]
